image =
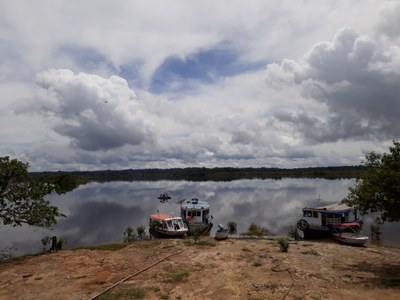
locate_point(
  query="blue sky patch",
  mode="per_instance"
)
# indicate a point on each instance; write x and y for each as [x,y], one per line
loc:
[204,66]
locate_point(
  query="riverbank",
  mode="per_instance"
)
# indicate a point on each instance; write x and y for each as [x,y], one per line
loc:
[231,269]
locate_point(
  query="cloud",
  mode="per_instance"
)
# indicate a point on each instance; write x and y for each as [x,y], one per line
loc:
[94,112]
[128,84]
[354,79]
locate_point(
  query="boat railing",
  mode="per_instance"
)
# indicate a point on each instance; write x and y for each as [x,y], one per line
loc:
[333,221]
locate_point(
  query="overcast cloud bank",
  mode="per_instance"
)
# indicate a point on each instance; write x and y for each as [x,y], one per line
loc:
[281,84]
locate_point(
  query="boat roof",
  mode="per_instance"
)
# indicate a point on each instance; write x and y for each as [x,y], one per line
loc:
[336,207]
[164,216]
[195,204]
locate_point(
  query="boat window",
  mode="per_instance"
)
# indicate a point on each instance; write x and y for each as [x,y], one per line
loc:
[183,213]
[315,214]
[189,213]
[198,213]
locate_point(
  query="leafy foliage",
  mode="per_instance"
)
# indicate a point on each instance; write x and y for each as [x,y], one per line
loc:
[293,233]
[22,198]
[232,227]
[141,232]
[375,232]
[283,244]
[379,188]
[256,230]
[129,235]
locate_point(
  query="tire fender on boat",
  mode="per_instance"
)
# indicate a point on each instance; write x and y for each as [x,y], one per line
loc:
[302,225]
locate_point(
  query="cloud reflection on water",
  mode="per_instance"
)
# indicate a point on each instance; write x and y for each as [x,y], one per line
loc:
[100,212]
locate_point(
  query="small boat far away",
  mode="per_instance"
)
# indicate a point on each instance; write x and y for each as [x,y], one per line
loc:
[221,233]
[196,215]
[163,225]
[317,222]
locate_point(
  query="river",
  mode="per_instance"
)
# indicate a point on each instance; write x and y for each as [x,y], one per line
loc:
[100,212]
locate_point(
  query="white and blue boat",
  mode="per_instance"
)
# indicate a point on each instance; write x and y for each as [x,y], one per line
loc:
[196,214]
[319,221]
[221,233]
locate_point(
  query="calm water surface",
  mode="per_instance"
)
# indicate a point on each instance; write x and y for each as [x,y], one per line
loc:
[100,212]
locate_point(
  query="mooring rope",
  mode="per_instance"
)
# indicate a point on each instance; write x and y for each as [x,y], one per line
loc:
[137,273]
[274,268]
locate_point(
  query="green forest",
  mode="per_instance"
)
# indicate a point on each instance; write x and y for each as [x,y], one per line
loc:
[199,174]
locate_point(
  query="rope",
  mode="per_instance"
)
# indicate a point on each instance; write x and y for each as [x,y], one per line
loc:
[274,268]
[137,273]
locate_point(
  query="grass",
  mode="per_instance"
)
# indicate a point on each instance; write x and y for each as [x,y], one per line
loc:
[204,243]
[178,277]
[133,293]
[256,230]
[391,282]
[105,247]
[310,252]
[257,264]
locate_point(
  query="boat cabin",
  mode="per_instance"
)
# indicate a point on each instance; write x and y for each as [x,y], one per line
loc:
[329,215]
[167,222]
[195,211]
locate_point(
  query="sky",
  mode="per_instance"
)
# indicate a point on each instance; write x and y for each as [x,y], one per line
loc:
[95,84]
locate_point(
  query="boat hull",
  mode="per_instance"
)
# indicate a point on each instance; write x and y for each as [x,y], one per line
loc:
[311,233]
[199,228]
[350,239]
[163,234]
[221,235]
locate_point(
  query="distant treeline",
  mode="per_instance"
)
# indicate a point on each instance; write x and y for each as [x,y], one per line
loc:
[203,174]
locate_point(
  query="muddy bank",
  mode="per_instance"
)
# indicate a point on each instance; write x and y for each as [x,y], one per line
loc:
[231,269]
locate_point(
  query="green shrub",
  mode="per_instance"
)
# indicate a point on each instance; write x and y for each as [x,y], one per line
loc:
[256,230]
[129,235]
[232,227]
[375,231]
[294,233]
[283,244]
[141,232]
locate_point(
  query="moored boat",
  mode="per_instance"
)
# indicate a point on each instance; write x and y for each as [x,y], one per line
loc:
[348,233]
[196,215]
[318,221]
[221,233]
[163,225]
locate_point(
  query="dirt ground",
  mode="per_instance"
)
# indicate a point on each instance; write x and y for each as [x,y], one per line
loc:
[230,269]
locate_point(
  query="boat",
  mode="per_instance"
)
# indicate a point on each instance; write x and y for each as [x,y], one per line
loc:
[163,225]
[348,233]
[221,233]
[318,221]
[196,215]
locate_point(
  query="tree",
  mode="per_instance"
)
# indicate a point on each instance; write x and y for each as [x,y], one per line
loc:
[22,198]
[379,188]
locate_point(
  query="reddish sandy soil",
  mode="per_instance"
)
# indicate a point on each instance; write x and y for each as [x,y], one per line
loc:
[232,269]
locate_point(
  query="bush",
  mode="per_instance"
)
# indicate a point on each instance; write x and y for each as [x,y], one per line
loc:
[294,233]
[232,227]
[283,244]
[375,232]
[256,230]
[129,235]
[141,232]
